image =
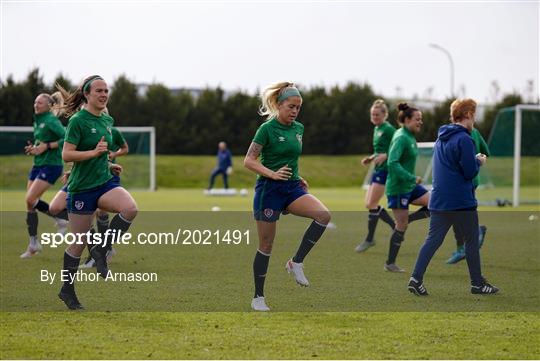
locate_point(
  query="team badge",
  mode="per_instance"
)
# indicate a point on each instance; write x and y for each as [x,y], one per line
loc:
[42,125]
[299,138]
[404,201]
[93,130]
[281,139]
[268,213]
[379,133]
[79,205]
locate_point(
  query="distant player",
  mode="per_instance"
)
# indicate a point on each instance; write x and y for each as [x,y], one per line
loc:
[224,166]
[480,147]
[402,185]
[453,202]
[279,187]
[91,184]
[382,136]
[47,168]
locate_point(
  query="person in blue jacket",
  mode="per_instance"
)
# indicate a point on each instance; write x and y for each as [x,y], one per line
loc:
[224,165]
[453,201]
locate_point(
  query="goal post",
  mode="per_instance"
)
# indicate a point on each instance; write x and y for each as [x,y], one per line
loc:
[139,165]
[523,121]
[517,148]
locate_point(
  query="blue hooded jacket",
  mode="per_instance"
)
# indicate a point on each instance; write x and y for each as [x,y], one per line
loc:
[454,168]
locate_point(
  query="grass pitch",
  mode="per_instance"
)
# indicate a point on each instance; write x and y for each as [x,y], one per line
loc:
[199,308]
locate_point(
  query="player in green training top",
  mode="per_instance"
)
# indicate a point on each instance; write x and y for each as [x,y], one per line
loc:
[91,184]
[279,186]
[403,186]
[459,255]
[47,168]
[382,136]
[119,148]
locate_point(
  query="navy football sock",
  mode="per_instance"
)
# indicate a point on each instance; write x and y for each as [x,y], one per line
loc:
[395,244]
[312,235]
[260,267]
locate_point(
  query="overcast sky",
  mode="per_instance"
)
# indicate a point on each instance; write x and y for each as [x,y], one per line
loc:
[247,45]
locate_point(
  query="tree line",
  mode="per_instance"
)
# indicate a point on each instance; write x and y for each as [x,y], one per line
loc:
[336,120]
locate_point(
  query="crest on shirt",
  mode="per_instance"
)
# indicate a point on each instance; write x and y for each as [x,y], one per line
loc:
[268,213]
[79,205]
[42,125]
[379,133]
[93,130]
[299,138]
[281,139]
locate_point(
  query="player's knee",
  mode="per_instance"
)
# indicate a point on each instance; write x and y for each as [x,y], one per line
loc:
[265,247]
[323,217]
[371,205]
[130,212]
[76,249]
[54,209]
[30,201]
[401,226]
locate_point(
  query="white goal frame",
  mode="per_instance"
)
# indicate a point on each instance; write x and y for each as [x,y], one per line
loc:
[517,149]
[150,130]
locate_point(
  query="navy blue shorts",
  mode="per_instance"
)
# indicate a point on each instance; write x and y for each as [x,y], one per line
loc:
[86,202]
[402,201]
[273,197]
[116,178]
[49,173]
[379,177]
[64,188]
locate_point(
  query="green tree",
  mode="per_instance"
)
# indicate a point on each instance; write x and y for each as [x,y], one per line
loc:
[124,103]
[508,100]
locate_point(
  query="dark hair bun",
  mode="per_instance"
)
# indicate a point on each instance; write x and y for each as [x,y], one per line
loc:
[403,106]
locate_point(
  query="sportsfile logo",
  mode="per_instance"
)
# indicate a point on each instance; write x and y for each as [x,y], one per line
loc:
[182,237]
[56,239]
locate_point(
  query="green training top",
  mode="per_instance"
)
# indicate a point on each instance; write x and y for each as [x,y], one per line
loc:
[85,130]
[401,163]
[382,136]
[481,147]
[118,141]
[47,129]
[282,145]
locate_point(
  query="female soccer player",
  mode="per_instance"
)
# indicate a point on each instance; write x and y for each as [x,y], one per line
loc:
[382,136]
[403,186]
[453,202]
[47,168]
[119,148]
[279,187]
[91,184]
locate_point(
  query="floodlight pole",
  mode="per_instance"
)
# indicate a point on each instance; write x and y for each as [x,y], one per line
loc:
[438,47]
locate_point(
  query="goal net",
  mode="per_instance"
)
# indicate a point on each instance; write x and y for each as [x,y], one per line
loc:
[138,166]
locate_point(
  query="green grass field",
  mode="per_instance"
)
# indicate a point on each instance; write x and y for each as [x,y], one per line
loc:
[186,171]
[199,307]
